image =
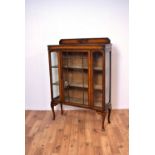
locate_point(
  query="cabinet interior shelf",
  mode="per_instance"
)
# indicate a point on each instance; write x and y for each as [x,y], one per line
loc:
[54,66]
[79,85]
[97,87]
[80,67]
[55,83]
[76,100]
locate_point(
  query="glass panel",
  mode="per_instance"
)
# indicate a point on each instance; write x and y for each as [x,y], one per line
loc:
[107,77]
[55,83]
[55,75]
[97,75]
[75,75]
[54,59]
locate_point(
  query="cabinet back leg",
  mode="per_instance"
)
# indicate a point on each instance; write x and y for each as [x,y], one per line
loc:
[61,108]
[103,119]
[52,107]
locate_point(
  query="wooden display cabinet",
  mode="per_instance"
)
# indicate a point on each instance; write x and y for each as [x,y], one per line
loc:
[80,74]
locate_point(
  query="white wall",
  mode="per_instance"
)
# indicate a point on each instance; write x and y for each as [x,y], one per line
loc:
[47,21]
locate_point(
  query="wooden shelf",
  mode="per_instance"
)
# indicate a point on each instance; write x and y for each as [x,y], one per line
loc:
[75,67]
[77,85]
[54,66]
[76,100]
[98,87]
[80,67]
[55,83]
[98,68]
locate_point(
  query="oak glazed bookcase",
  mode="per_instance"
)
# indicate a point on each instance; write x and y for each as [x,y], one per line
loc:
[80,74]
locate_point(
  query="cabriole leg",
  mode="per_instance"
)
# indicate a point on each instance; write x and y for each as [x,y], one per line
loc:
[109,114]
[52,107]
[103,119]
[61,108]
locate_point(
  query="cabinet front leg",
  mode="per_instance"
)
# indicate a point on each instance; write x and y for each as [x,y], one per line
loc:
[109,114]
[61,108]
[52,107]
[103,119]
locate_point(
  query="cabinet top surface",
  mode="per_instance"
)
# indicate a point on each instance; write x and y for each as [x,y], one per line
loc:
[78,47]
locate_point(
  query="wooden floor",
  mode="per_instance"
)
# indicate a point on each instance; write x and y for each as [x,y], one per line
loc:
[76,133]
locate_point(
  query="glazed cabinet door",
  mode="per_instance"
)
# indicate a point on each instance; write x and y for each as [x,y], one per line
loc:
[75,77]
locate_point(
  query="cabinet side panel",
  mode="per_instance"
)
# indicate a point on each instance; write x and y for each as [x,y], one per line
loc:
[107,77]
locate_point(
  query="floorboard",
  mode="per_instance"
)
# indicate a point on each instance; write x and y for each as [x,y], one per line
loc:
[77,132]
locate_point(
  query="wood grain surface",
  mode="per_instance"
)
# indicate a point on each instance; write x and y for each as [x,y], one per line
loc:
[77,132]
